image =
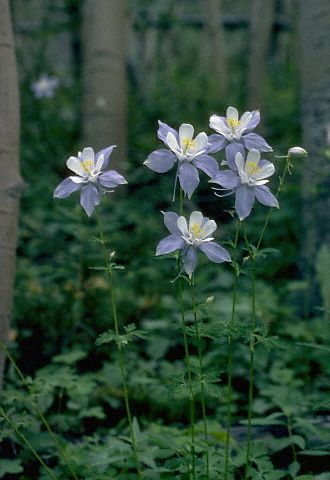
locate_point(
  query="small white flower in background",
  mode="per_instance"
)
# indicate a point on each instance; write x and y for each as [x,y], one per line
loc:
[209,300]
[45,86]
[297,152]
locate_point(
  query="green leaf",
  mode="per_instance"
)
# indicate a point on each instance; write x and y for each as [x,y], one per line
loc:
[69,358]
[294,468]
[10,466]
[298,440]
[324,348]
[315,453]
[273,419]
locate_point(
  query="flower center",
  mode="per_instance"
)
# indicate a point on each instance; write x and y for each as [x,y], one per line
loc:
[87,165]
[187,143]
[252,168]
[232,122]
[195,229]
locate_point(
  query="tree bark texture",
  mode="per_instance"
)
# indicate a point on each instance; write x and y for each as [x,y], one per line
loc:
[315,106]
[104,77]
[10,180]
[215,50]
[261,25]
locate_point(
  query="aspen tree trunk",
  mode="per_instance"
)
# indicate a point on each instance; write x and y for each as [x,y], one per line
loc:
[104,77]
[261,22]
[215,48]
[315,106]
[10,180]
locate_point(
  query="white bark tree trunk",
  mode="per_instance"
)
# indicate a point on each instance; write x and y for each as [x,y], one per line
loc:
[261,23]
[214,49]
[10,180]
[104,77]
[315,106]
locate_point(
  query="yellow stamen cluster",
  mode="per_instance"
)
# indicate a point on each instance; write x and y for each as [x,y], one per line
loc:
[196,229]
[87,165]
[187,143]
[252,168]
[232,122]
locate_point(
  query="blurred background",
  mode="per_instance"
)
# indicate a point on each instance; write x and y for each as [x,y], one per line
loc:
[101,72]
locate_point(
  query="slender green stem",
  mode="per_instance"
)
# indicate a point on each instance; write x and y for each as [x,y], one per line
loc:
[187,357]
[122,362]
[189,375]
[230,352]
[253,319]
[279,189]
[201,373]
[294,453]
[38,411]
[27,443]
[181,202]
[251,372]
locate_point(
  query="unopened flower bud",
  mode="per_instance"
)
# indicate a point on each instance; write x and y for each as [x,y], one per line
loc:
[209,300]
[297,152]
[112,254]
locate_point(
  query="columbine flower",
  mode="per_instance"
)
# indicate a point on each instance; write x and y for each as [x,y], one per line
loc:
[191,154]
[233,130]
[45,86]
[248,180]
[196,235]
[90,178]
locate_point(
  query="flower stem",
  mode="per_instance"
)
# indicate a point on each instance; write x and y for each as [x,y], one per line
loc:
[187,357]
[38,411]
[294,453]
[27,443]
[201,373]
[279,189]
[230,353]
[253,318]
[122,362]
[189,374]
[251,350]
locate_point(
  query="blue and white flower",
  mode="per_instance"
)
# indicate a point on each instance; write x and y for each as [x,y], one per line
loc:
[247,178]
[190,153]
[190,237]
[45,86]
[233,130]
[91,178]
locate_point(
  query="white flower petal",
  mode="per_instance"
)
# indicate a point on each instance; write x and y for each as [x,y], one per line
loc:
[186,132]
[79,179]
[172,142]
[218,124]
[264,172]
[253,156]
[201,142]
[232,112]
[208,229]
[182,226]
[74,164]
[99,163]
[260,182]
[87,154]
[239,160]
[244,120]
[196,218]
